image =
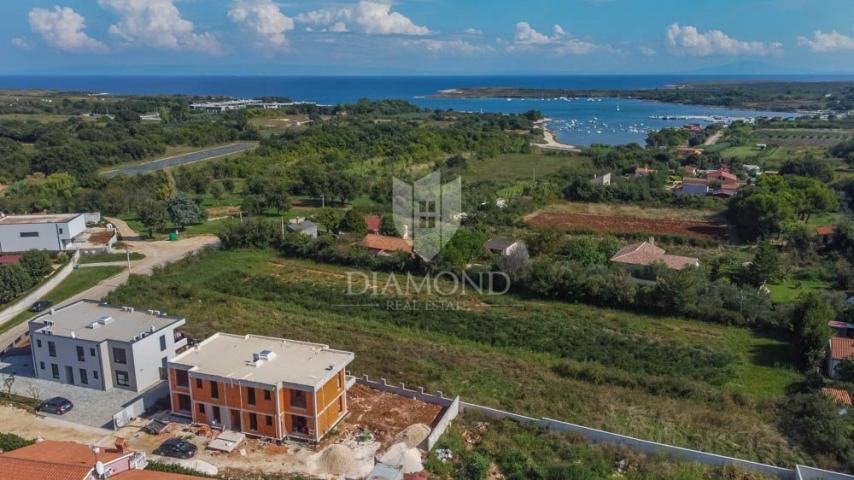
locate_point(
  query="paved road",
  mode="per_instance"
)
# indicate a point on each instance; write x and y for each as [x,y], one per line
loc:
[175,161]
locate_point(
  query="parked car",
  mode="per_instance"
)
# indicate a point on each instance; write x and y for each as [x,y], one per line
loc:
[56,405]
[41,306]
[176,448]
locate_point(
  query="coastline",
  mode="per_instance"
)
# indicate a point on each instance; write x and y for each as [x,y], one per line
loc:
[551,142]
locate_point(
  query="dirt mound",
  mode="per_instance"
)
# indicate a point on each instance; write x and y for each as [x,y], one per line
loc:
[413,435]
[399,455]
[337,459]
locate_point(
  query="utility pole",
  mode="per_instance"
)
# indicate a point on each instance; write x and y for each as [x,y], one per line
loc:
[128,257]
[283,228]
[322,201]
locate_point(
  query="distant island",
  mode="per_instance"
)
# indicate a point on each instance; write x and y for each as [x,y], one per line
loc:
[776,96]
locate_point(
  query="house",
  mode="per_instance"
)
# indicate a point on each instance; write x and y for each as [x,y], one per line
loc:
[303,226]
[99,346]
[761,146]
[602,180]
[689,151]
[840,349]
[838,395]
[647,253]
[826,234]
[55,233]
[384,246]
[754,170]
[644,171]
[505,248]
[261,386]
[693,127]
[372,223]
[727,190]
[841,329]
[690,170]
[74,461]
[722,175]
[691,188]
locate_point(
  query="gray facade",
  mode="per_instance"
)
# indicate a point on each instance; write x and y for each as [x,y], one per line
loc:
[103,347]
[20,233]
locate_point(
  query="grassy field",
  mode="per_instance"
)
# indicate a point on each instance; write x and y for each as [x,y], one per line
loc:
[109,257]
[791,289]
[630,210]
[520,166]
[666,379]
[78,281]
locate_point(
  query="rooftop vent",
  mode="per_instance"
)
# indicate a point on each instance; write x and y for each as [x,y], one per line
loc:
[94,325]
[152,329]
[261,357]
[105,320]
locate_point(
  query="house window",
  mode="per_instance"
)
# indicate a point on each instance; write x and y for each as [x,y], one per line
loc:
[268,420]
[250,392]
[338,381]
[298,399]
[54,370]
[39,343]
[81,354]
[120,356]
[340,404]
[199,383]
[162,342]
[300,425]
[95,374]
[29,234]
[61,231]
[201,408]
[84,377]
[268,395]
[122,379]
[92,352]
[164,371]
[253,422]
[51,349]
[214,390]
[182,379]
[427,214]
[41,365]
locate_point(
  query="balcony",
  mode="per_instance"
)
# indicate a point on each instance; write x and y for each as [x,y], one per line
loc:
[180,340]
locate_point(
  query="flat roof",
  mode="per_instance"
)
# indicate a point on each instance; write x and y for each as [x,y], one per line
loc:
[37,219]
[110,322]
[293,362]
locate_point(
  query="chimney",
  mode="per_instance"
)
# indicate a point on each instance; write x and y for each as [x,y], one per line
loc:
[121,444]
[652,241]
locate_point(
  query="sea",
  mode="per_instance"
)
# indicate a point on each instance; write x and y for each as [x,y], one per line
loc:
[577,121]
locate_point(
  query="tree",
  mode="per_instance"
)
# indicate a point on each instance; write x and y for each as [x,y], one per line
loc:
[14,280]
[183,210]
[329,219]
[813,420]
[387,226]
[153,216]
[36,263]
[353,221]
[252,204]
[217,190]
[766,264]
[809,323]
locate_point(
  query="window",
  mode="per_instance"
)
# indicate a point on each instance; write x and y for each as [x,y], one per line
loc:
[427,214]
[164,371]
[120,356]
[201,408]
[84,378]
[54,370]
[253,422]
[300,425]
[199,383]
[268,395]
[51,349]
[340,404]
[29,234]
[162,342]
[181,378]
[95,374]
[338,381]
[250,392]
[41,365]
[81,354]
[298,399]
[92,352]
[214,390]
[39,343]
[122,379]
[268,420]
[60,231]
[184,403]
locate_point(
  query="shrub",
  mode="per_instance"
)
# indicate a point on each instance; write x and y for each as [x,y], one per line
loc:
[10,441]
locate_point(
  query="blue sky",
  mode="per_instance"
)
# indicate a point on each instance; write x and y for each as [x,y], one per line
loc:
[425,36]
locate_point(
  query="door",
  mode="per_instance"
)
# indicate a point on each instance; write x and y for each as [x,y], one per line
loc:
[217,416]
[69,375]
[235,421]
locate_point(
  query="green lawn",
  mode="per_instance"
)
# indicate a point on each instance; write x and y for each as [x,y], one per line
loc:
[791,289]
[521,166]
[109,257]
[78,281]
[660,378]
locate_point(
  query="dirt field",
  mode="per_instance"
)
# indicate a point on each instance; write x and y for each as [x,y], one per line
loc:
[627,224]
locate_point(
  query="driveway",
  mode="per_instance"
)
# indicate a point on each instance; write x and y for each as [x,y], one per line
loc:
[184,159]
[94,408]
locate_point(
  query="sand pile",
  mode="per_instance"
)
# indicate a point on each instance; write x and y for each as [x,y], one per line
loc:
[337,459]
[413,435]
[404,456]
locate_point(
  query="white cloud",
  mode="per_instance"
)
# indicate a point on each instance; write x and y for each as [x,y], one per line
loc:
[473,31]
[450,47]
[158,24]
[822,42]
[560,41]
[373,17]
[264,19]
[63,28]
[647,51]
[21,43]
[689,41]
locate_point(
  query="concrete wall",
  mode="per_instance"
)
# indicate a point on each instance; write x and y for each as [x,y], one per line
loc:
[808,473]
[140,405]
[444,422]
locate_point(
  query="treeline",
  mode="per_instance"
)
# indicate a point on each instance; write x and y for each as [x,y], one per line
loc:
[16,279]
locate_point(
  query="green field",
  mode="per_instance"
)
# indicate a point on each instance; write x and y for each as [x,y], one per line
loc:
[78,281]
[791,289]
[109,257]
[666,379]
[521,166]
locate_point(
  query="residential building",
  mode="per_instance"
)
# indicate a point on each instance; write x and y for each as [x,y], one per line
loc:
[826,234]
[372,223]
[100,346]
[647,253]
[505,248]
[840,349]
[384,246]
[644,171]
[74,461]
[303,226]
[602,180]
[20,233]
[261,386]
[838,395]
[689,151]
[841,329]
[722,175]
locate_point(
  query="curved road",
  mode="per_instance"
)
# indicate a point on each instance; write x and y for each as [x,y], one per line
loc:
[184,159]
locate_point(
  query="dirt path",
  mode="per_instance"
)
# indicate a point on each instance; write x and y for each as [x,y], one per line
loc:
[714,138]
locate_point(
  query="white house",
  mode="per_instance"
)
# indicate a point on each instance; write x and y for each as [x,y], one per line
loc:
[602,180]
[505,248]
[20,233]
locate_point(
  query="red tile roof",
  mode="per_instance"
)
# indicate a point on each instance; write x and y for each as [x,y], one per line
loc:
[373,223]
[825,229]
[10,259]
[838,394]
[841,348]
[381,243]
[53,460]
[17,469]
[646,253]
[721,174]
